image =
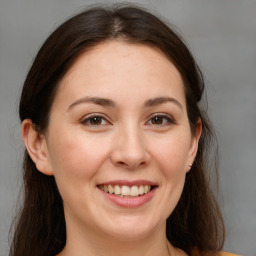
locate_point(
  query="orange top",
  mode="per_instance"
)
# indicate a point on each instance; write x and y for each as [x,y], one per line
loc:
[228,254]
[196,253]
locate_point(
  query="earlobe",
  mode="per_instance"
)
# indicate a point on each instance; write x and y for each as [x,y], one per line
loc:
[36,147]
[194,144]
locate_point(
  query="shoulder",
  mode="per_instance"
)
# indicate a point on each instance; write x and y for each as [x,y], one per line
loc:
[196,253]
[228,254]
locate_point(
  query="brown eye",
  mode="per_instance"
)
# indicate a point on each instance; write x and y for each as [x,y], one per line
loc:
[94,121]
[161,120]
[157,120]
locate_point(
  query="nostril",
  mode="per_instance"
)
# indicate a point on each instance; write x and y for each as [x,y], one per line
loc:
[133,165]
[131,159]
[121,163]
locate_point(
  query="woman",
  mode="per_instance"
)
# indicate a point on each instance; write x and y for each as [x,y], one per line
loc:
[116,143]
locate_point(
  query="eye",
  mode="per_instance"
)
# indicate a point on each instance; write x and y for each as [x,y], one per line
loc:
[94,120]
[161,120]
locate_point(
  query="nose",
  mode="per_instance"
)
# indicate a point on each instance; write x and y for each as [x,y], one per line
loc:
[129,150]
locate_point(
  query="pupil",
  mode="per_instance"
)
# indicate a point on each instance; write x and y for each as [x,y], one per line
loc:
[96,120]
[157,120]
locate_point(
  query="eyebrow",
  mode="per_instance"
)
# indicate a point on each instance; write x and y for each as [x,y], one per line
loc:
[95,100]
[161,100]
[111,103]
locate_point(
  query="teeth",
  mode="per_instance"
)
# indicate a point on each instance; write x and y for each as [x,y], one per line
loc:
[134,191]
[141,190]
[146,189]
[117,190]
[126,190]
[110,189]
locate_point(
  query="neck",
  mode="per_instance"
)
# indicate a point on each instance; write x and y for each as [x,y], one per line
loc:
[91,243]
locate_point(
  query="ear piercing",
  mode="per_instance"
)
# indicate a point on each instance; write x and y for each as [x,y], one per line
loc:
[190,165]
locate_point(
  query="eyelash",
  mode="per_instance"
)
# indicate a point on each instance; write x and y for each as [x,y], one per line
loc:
[168,120]
[87,120]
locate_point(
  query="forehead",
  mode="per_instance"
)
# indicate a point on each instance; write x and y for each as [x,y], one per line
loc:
[114,66]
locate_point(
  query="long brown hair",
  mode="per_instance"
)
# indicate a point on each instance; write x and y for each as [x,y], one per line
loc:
[40,229]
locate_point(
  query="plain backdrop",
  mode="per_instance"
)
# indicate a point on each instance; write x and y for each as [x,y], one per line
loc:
[222,36]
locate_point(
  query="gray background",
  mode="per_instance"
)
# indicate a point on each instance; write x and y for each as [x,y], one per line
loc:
[222,36]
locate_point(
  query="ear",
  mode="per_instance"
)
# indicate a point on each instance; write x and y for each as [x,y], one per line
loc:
[36,147]
[194,144]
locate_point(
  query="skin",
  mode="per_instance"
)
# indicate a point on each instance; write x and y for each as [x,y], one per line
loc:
[127,142]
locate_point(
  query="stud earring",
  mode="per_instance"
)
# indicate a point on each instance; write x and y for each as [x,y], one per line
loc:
[190,165]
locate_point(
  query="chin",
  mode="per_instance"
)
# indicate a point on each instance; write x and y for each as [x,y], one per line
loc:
[128,228]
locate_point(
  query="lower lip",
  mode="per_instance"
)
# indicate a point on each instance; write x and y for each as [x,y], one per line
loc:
[131,202]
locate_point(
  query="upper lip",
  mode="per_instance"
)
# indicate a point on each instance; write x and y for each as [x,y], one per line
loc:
[129,183]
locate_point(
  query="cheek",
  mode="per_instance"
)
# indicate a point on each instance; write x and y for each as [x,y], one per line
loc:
[76,156]
[76,160]
[171,161]
[171,155]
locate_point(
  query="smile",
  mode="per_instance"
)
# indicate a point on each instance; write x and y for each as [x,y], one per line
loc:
[125,191]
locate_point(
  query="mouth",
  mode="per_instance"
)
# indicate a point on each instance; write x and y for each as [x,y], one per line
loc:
[125,191]
[128,194]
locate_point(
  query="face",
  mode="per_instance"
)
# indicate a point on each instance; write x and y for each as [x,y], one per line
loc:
[119,142]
